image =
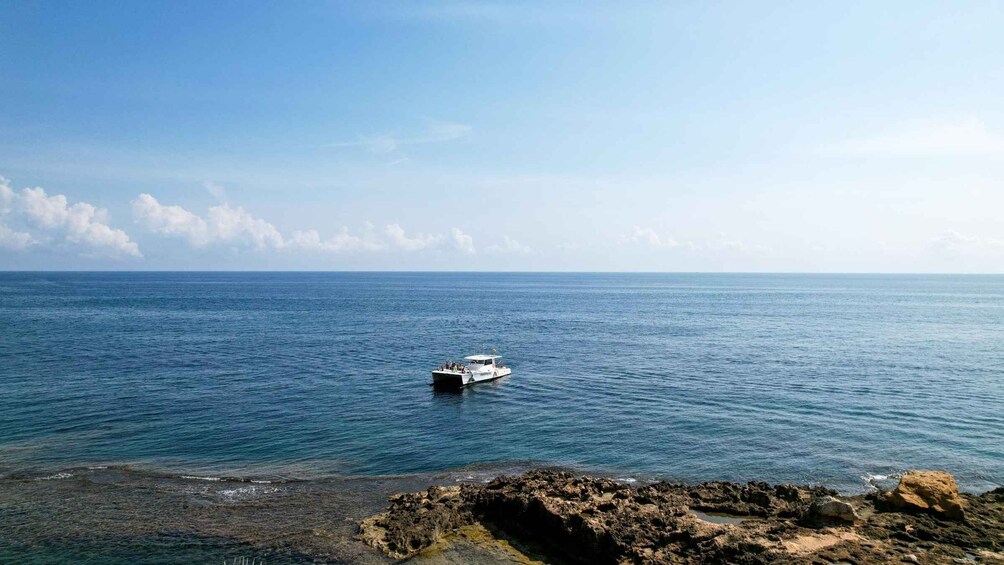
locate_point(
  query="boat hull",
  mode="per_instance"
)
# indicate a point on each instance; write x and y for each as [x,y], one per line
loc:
[457,379]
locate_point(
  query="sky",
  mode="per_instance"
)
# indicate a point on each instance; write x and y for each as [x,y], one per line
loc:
[829,136]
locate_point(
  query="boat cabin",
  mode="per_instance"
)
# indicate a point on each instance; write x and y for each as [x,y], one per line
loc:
[490,360]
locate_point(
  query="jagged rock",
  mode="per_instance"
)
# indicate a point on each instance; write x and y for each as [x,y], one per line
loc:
[415,521]
[934,492]
[578,519]
[601,521]
[752,499]
[829,509]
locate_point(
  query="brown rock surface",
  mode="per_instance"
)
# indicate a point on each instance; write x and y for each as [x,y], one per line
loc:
[928,491]
[416,521]
[578,519]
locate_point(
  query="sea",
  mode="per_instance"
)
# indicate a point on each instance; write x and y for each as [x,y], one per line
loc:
[197,417]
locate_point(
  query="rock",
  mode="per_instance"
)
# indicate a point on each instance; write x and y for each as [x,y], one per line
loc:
[828,509]
[576,519]
[415,521]
[606,522]
[750,499]
[934,492]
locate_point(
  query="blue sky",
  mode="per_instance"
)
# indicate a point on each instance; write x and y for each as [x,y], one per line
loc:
[677,136]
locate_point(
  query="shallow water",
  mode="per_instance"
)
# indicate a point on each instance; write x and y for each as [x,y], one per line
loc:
[122,515]
[719,518]
[799,378]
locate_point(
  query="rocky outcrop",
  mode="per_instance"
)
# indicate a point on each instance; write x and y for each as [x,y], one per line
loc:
[416,521]
[928,491]
[593,520]
[584,519]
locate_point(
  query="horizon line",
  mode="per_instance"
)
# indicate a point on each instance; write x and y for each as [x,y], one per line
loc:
[569,272]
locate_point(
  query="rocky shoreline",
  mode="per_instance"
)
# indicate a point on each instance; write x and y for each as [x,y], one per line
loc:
[556,516]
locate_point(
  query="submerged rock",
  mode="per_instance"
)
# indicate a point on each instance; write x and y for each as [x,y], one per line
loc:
[928,491]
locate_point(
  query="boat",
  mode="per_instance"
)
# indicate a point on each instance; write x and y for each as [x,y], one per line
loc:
[477,369]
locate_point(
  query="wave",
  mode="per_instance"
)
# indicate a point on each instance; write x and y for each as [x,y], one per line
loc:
[878,481]
[55,477]
[194,478]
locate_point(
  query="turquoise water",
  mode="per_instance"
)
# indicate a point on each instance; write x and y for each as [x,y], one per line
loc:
[800,378]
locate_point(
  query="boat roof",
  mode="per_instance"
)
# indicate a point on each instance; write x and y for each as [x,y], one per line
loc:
[482,357]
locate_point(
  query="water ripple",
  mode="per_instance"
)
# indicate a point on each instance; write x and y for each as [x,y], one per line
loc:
[777,377]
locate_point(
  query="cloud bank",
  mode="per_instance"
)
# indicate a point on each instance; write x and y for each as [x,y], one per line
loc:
[222,224]
[225,224]
[51,221]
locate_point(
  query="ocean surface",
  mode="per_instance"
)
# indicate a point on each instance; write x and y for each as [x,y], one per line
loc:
[299,377]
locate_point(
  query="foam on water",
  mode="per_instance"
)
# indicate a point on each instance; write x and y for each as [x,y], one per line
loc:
[880,481]
[55,477]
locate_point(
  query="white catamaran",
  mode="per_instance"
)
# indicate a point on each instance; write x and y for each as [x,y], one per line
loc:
[478,369]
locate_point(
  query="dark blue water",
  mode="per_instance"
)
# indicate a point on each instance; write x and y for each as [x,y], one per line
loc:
[801,378]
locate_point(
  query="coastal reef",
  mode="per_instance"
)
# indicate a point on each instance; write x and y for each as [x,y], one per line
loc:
[556,516]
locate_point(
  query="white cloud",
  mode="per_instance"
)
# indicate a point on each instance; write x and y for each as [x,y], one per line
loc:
[79,225]
[16,240]
[962,137]
[400,240]
[509,246]
[233,225]
[223,223]
[462,241]
[170,220]
[45,211]
[343,241]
